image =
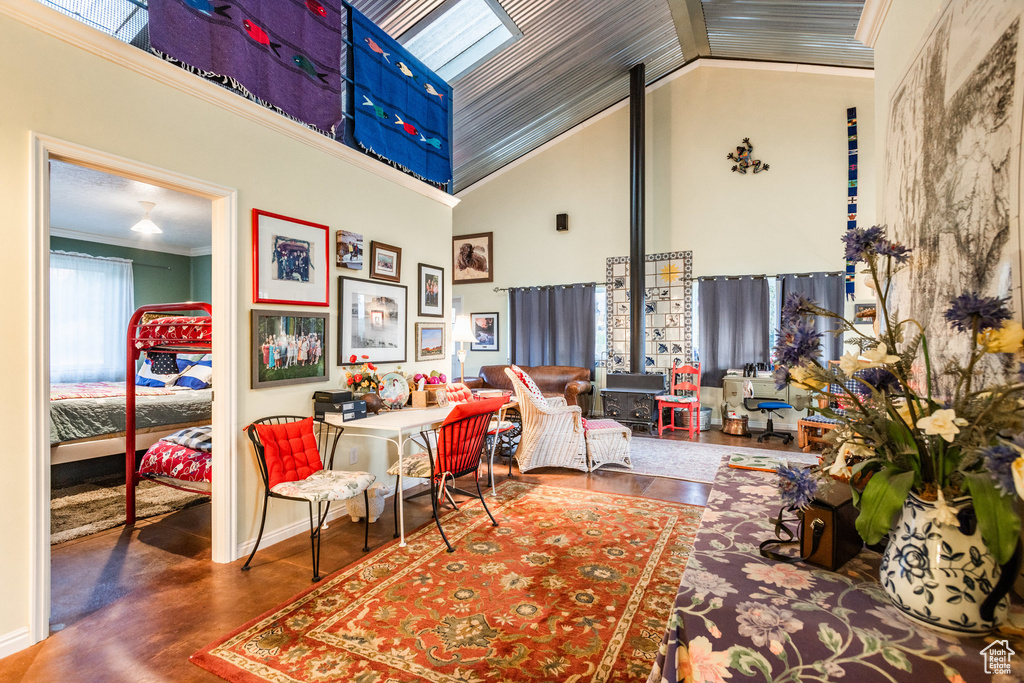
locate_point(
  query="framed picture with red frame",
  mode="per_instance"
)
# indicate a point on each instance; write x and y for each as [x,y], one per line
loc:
[290,260]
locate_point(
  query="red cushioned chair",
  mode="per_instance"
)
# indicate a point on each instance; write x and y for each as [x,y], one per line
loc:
[457,446]
[673,401]
[290,451]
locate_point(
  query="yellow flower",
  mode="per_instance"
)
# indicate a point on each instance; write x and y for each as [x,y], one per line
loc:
[942,422]
[1018,475]
[1007,339]
[850,363]
[903,410]
[802,378]
[879,356]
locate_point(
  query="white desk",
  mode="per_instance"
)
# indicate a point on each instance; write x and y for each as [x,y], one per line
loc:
[395,426]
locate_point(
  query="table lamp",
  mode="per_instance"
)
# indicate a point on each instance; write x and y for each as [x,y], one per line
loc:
[462,333]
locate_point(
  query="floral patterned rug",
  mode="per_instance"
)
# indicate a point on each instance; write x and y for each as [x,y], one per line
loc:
[573,585]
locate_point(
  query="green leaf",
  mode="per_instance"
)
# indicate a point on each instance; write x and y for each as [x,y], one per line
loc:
[872,643]
[896,658]
[882,499]
[745,660]
[997,520]
[830,637]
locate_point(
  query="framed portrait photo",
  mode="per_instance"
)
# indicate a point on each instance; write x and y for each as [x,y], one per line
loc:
[290,260]
[348,249]
[385,262]
[472,258]
[485,329]
[430,344]
[430,287]
[288,347]
[372,321]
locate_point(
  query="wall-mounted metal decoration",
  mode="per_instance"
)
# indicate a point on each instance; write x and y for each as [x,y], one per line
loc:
[744,160]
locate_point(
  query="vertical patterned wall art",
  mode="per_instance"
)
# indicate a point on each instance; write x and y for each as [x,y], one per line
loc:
[851,193]
[668,306]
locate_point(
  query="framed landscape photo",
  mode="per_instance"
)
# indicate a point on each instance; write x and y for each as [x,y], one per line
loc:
[385,262]
[864,313]
[472,258]
[430,288]
[290,260]
[430,343]
[485,329]
[288,347]
[348,248]
[372,321]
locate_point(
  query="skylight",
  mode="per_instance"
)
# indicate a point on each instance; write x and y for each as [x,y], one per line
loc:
[460,35]
[122,19]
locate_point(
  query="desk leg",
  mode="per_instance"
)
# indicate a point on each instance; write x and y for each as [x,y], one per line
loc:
[401,498]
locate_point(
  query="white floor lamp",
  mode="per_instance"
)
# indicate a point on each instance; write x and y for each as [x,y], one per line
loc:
[462,333]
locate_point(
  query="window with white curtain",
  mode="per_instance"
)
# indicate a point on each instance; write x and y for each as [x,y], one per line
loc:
[91,301]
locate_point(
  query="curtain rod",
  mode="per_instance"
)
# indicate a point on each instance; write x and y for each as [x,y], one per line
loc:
[574,284]
[762,277]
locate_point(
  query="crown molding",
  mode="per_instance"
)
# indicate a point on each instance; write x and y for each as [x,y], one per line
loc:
[51,22]
[871,19]
[128,243]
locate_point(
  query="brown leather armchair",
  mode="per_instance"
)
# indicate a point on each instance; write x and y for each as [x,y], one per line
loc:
[569,382]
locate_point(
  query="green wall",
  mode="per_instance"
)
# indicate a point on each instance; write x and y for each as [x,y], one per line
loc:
[202,274]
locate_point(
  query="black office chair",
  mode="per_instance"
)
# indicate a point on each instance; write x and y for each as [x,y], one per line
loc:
[769,407]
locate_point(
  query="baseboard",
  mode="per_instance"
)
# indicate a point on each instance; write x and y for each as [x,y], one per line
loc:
[15,641]
[286,532]
[759,424]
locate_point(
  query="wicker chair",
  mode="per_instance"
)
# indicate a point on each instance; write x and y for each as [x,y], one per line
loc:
[552,431]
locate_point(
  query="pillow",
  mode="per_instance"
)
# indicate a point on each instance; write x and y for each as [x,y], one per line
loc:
[531,386]
[196,438]
[290,450]
[458,393]
[147,378]
[198,375]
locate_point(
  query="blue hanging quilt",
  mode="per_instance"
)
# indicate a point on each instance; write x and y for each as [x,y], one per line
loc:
[401,109]
[285,54]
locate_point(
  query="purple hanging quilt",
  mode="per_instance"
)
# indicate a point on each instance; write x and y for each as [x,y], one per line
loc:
[284,53]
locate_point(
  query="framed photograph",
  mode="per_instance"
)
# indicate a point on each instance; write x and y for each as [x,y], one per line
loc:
[290,262]
[431,291]
[385,262]
[288,347]
[430,341]
[472,258]
[372,320]
[864,313]
[348,249]
[485,328]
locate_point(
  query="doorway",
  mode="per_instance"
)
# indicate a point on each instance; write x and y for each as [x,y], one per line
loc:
[223,296]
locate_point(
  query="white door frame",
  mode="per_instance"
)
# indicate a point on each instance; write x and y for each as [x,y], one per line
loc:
[225,333]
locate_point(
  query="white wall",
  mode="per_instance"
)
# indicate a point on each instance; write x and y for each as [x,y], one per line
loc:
[56,89]
[788,219]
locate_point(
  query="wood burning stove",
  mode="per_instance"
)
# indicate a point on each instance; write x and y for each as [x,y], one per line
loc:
[630,398]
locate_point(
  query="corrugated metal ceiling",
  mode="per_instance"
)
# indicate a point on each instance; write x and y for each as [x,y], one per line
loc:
[575,55]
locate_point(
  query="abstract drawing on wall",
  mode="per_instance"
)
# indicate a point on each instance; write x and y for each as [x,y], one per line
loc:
[668,305]
[950,187]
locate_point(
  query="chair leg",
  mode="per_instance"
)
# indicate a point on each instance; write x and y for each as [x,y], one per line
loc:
[693,425]
[661,420]
[434,497]
[259,536]
[314,536]
[366,521]
[480,494]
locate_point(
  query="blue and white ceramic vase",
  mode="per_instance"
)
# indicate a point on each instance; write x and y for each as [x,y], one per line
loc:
[940,574]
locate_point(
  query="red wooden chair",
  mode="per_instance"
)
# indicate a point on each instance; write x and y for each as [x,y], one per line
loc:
[674,402]
[454,451]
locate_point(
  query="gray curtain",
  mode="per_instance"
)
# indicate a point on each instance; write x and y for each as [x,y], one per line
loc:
[827,291]
[734,325]
[553,325]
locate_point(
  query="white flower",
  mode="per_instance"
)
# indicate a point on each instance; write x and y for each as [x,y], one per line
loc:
[850,363]
[1017,468]
[944,513]
[943,422]
[840,466]
[879,356]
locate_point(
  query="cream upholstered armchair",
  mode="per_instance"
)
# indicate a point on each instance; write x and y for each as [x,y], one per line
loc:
[552,431]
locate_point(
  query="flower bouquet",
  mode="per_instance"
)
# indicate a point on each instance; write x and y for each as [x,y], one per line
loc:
[363,379]
[949,462]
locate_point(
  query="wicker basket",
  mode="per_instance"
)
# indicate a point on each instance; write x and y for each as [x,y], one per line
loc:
[682,419]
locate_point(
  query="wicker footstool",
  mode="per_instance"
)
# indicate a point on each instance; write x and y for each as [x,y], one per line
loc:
[607,443]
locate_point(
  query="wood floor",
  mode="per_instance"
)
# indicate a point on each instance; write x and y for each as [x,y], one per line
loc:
[131,604]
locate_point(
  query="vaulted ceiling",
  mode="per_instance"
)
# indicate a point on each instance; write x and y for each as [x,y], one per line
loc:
[575,55]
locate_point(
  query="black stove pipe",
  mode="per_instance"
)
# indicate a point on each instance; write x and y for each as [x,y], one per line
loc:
[637,285]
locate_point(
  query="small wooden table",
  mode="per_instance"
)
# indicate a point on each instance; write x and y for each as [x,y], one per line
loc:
[810,432]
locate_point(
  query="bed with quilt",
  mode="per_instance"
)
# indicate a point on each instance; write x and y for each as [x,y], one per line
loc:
[182,459]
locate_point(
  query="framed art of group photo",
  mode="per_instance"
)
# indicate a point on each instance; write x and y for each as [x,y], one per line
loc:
[372,320]
[288,347]
[291,260]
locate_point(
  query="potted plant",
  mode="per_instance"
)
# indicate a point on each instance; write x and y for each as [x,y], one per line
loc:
[938,447]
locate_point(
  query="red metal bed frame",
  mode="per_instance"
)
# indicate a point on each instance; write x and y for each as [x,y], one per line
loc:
[132,477]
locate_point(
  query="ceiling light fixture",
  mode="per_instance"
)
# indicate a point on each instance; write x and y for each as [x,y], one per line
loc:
[145,225]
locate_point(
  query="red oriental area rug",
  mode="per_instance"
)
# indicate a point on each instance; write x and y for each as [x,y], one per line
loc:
[573,586]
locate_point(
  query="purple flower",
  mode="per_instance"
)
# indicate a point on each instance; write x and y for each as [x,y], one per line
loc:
[797,486]
[763,623]
[781,377]
[970,309]
[796,308]
[861,242]
[898,252]
[798,343]
[881,379]
[998,461]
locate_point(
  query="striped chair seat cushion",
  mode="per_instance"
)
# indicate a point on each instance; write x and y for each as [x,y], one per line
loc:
[498,427]
[326,485]
[415,465]
[820,418]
